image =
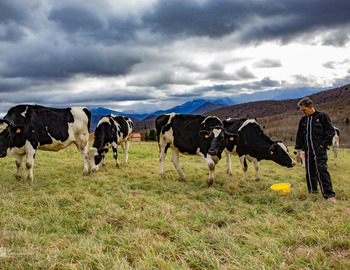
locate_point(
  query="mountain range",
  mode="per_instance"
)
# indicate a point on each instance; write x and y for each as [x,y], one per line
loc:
[280,101]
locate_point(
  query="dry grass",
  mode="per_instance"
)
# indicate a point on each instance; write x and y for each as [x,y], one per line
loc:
[130,218]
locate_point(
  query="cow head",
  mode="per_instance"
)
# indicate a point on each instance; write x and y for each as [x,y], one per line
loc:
[278,152]
[96,157]
[215,138]
[7,135]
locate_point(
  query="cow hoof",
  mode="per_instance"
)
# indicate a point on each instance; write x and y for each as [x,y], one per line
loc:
[257,179]
[210,183]
[86,173]
[19,178]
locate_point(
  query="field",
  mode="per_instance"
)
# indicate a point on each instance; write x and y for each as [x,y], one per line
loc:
[131,218]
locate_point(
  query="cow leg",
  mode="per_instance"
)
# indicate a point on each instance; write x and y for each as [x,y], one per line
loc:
[175,157]
[256,166]
[302,157]
[115,155]
[82,144]
[228,161]
[210,180]
[103,160]
[162,153]
[30,162]
[335,151]
[19,163]
[211,165]
[125,147]
[244,167]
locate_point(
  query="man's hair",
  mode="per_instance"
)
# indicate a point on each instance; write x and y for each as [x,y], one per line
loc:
[306,101]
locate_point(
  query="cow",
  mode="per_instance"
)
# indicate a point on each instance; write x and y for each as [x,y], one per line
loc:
[334,146]
[193,135]
[254,145]
[28,128]
[111,131]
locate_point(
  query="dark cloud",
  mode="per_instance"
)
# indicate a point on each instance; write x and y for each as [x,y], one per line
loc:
[161,79]
[49,47]
[214,19]
[244,73]
[268,63]
[329,64]
[66,62]
[222,76]
[256,21]
[73,19]
[334,64]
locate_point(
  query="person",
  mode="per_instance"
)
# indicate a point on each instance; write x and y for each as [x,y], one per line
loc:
[314,136]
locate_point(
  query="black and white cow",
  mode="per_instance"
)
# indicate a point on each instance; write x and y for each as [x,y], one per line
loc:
[27,128]
[254,145]
[111,131]
[192,135]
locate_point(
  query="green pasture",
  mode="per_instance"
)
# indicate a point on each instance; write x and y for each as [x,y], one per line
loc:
[131,218]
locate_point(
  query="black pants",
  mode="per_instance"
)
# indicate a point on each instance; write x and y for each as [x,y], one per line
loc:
[316,172]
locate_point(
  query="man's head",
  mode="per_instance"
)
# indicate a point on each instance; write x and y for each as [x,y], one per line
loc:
[306,107]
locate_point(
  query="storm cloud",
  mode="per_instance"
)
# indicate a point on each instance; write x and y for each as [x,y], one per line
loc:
[158,53]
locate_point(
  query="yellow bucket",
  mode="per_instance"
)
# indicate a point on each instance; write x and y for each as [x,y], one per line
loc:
[281,188]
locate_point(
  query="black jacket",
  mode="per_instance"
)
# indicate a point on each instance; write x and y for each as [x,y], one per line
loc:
[318,128]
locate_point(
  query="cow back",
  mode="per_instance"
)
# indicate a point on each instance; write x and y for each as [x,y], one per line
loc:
[42,124]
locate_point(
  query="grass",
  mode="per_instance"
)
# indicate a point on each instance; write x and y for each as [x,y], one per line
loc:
[131,218]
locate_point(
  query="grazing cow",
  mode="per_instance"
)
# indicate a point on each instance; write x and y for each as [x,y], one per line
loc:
[27,128]
[111,131]
[334,146]
[254,145]
[192,135]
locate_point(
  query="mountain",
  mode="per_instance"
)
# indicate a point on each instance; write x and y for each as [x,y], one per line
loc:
[208,106]
[185,108]
[283,108]
[105,111]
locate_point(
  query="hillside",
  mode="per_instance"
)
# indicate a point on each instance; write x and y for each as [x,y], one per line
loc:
[280,118]
[271,107]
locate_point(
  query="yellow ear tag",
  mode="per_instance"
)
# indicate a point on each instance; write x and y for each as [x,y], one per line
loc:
[232,139]
[271,152]
[104,152]
[206,136]
[18,130]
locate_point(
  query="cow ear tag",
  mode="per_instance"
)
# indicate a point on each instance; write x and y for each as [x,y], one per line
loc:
[104,152]
[271,152]
[206,136]
[18,130]
[232,139]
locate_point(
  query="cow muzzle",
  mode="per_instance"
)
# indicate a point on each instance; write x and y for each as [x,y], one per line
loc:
[212,152]
[3,154]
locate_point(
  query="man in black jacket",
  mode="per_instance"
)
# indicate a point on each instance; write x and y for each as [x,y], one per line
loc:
[314,136]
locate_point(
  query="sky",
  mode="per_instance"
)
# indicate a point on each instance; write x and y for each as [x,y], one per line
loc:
[145,55]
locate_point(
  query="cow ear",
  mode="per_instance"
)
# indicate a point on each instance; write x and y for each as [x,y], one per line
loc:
[204,134]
